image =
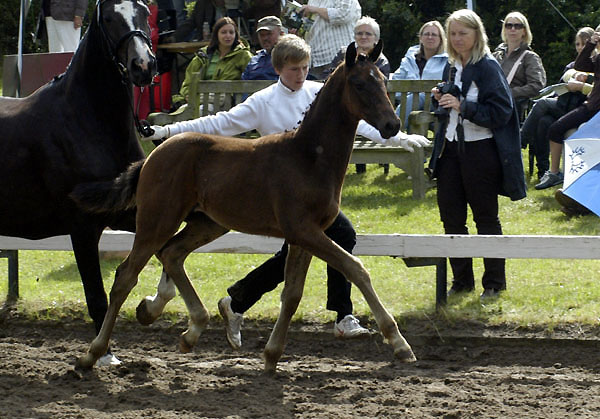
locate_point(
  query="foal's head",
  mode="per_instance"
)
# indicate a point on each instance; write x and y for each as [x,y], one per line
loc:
[365,92]
[124,27]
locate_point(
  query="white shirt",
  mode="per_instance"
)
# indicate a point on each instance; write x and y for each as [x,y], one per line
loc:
[473,132]
[326,38]
[270,110]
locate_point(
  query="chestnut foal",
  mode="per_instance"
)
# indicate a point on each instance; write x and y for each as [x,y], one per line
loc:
[282,185]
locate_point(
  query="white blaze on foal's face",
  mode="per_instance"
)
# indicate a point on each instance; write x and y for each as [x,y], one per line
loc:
[129,14]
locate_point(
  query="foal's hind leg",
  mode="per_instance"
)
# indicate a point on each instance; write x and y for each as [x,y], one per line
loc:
[198,231]
[352,268]
[125,280]
[296,266]
[150,308]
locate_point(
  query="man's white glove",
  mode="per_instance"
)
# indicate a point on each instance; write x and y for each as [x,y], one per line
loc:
[409,142]
[160,133]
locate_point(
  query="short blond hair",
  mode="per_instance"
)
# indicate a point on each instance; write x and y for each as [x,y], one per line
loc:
[522,19]
[289,49]
[469,19]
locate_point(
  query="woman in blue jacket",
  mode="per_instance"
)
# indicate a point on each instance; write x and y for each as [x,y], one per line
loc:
[425,61]
[477,151]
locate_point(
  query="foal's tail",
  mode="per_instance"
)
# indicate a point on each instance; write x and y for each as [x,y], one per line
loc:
[109,196]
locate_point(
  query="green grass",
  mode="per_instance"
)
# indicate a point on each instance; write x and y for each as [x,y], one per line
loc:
[541,293]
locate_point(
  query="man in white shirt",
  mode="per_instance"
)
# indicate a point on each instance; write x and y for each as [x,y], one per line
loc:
[277,108]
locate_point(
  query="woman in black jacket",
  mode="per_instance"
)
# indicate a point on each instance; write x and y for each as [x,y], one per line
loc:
[477,152]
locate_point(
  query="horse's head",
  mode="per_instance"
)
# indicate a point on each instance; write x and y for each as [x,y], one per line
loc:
[124,26]
[365,91]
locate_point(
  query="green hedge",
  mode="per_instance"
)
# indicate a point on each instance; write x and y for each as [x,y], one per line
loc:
[401,19]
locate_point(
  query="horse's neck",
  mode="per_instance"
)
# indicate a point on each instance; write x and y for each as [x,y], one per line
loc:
[93,77]
[328,127]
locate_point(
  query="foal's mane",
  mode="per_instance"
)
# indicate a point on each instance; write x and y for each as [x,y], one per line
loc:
[329,84]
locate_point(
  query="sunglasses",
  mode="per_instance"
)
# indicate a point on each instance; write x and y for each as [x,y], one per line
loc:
[430,35]
[514,25]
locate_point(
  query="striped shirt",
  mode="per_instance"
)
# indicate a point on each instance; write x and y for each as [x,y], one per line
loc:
[327,37]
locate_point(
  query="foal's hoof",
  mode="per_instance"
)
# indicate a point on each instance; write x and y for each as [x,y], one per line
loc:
[143,316]
[184,347]
[86,362]
[405,355]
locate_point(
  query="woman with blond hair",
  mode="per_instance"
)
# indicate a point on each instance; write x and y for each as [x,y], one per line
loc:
[522,67]
[477,150]
[425,61]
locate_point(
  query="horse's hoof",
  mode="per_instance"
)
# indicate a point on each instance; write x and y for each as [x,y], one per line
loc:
[270,369]
[184,347]
[143,316]
[405,355]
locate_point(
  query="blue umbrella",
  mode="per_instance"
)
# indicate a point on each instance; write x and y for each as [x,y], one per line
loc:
[582,165]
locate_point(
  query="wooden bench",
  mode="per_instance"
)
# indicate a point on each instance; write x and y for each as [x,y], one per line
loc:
[209,97]
[415,249]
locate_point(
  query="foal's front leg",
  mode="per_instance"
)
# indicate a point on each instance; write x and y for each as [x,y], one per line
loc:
[296,267]
[352,268]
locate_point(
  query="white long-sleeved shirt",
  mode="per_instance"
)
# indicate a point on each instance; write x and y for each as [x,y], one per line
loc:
[270,110]
[472,131]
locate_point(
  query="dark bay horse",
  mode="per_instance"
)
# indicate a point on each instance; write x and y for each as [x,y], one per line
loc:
[77,128]
[283,185]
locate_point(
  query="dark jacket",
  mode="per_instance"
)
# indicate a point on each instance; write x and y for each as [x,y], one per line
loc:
[260,67]
[495,110]
[67,9]
[585,62]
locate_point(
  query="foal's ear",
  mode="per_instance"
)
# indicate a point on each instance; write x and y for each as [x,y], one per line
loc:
[374,55]
[350,55]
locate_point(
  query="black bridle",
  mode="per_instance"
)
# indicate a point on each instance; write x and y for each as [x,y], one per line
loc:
[113,48]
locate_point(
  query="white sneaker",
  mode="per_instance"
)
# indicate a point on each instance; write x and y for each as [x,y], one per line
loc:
[348,328]
[233,323]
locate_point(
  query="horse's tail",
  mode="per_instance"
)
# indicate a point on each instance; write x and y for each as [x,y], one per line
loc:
[109,196]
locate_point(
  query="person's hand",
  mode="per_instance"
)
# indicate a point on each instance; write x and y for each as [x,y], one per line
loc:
[77,22]
[306,10]
[410,142]
[595,37]
[160,133]
[579,76]
[449,101]
[574,85]
[436,93]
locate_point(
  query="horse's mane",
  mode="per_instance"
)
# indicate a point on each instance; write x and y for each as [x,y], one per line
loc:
[330,80]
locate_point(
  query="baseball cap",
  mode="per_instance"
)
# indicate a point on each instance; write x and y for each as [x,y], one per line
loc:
[269,23]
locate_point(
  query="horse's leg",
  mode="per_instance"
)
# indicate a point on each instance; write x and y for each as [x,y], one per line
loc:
[352,268]
[150,308]
[296,267]
[85,247]
[198,231]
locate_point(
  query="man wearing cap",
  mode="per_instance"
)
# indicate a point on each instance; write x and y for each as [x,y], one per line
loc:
[260,67]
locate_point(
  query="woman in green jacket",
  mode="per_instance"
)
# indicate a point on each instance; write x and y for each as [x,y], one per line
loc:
[225,58]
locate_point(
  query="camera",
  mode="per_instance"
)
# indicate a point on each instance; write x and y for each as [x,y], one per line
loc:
[446,88]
